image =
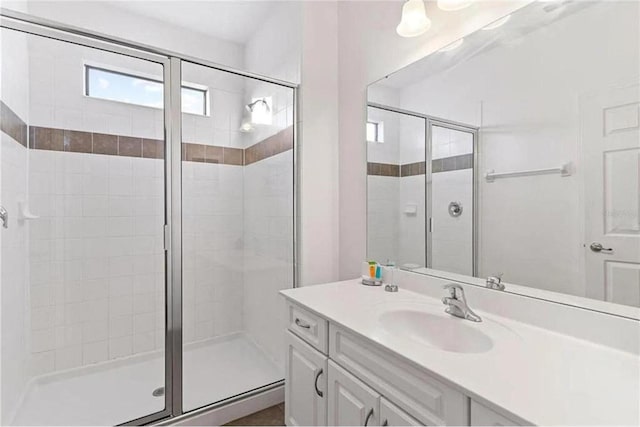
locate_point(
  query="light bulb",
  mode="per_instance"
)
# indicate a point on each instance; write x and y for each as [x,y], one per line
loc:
[451,5]
[499,23]
[414,21]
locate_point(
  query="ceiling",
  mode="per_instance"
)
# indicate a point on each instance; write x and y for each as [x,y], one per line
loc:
[234,21]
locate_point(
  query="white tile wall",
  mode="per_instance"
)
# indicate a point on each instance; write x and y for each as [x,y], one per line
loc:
[14,245]
[57,91]
[268,255]
[411,228]
[14,277]
[449,142]
[96,257]
[212,250]
[452,238]
[383,215]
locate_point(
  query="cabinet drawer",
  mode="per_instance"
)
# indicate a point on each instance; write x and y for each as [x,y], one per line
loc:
[422,396]
[308,326]
[483,416]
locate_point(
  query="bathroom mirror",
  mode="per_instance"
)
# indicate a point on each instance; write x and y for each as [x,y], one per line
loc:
[514,153]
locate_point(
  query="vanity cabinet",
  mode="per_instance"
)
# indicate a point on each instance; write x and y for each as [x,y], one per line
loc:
[305,385]
[334,377]
[391,415]
[483,416]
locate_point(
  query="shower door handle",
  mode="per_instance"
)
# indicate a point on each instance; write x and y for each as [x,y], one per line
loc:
[4,216]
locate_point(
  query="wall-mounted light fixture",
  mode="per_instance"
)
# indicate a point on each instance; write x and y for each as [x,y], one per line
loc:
[414,21]
[451,5]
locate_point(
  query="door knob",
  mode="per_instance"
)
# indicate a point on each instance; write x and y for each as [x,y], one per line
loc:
[597,247]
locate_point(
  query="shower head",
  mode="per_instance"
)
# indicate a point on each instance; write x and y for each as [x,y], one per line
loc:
[263,102]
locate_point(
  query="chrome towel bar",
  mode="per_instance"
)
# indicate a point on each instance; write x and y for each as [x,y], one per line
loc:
[564,170]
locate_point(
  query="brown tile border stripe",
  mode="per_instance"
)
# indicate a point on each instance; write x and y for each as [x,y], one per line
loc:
[276,144]
[411,169]
[464,161]
[13,125]
[383,169]
[43,138]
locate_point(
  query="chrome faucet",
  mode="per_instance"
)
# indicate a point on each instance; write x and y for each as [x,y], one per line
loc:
[495,282]
[457,303]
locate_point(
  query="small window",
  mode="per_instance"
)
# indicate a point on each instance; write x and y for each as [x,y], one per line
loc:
[375,132]
[134,89]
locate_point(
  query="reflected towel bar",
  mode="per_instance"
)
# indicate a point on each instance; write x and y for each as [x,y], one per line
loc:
[564,170]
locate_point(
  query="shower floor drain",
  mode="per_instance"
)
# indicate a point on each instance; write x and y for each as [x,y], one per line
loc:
[158,392]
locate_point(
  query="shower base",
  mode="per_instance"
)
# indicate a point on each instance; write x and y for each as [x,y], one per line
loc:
[115,392]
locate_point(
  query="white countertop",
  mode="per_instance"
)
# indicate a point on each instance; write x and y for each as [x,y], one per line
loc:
[540,376]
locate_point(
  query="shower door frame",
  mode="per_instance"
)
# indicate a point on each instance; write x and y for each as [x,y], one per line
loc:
[172,83]
[449,124]
[474,131]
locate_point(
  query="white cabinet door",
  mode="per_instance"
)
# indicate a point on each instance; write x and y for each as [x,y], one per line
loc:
[305,384]
[391,415]
[483,416]
[351,402]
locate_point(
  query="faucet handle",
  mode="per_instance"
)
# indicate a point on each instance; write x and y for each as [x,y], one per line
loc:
[453,289]
[495,282]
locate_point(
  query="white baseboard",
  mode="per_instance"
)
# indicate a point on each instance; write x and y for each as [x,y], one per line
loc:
[232,411]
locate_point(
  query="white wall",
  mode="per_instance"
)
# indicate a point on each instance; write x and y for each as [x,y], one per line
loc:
[370,49]
[103,17]
[14,92]
[318,144]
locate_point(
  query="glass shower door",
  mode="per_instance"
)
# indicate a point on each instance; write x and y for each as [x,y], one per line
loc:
[451,189]
[238,227]
[83,259]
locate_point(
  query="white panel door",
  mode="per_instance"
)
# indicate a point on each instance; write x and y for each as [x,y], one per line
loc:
[391,415]
[610,129]
[305,384]
[351,402]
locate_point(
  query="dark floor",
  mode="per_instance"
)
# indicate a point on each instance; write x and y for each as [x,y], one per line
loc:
[273,416]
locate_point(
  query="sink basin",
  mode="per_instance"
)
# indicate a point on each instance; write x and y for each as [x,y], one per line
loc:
[441,331]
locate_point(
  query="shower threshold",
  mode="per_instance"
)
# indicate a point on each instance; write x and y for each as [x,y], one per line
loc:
[118,391]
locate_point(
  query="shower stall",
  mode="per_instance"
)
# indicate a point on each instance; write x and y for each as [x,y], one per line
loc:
[422,190]
[151,224]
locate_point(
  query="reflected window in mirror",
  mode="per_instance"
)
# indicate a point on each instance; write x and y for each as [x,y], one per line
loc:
[375,132]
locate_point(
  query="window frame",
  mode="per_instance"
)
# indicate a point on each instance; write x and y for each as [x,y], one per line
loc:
[87,67]
[378,130]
